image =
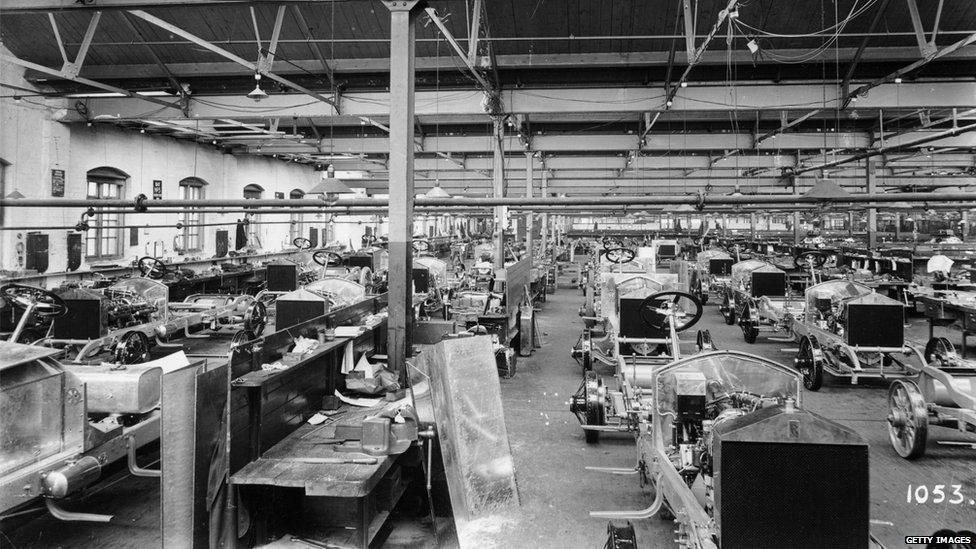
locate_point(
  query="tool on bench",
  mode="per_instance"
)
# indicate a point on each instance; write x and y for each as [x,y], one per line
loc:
[387,433]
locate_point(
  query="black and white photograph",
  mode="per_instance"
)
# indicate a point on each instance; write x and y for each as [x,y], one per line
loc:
[488,274]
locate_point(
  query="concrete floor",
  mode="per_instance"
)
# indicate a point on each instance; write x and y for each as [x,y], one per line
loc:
[550,453]
[550,458]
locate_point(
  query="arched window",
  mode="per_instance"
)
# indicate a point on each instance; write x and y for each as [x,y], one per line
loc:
[297,227]
[104,238]
[253,192]
[192,188]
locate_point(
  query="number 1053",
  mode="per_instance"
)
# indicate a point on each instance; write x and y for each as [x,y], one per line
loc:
[940,493]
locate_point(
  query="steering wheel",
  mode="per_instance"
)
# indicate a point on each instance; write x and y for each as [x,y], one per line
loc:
[153,267]
[815,257]
[45,303]
[327,259]
[620,255]
[421,245]
[302,243]
[133,348]
[657,308]
[612,243]
[255,318]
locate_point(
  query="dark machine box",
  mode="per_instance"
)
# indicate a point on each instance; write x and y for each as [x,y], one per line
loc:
[631,324]
[667,251]
[768,281]
[421,281]
[359,260]
[297,307]
[720,267]
[86,317]
[773,466]
[874,320]
[282,276]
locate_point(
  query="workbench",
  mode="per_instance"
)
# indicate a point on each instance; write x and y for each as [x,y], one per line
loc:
[945,311]
[341,504]
[266,405]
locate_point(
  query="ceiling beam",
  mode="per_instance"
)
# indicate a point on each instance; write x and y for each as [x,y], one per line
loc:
[474,33]
[591,101]
[127,21]
[862,90]
[517,61]
[57,39]
[488,88]
[35,6]
[104,87]
[878,15]
[306,31]
[228,55]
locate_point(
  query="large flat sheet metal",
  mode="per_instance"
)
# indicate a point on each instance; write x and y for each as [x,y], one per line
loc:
[471,429]
[516,277]
[194,465]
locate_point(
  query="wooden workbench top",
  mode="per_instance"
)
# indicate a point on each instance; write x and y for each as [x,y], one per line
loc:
[282,465]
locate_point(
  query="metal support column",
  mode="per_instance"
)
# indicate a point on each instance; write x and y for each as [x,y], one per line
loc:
[545,216]
[850,223]
[964,226]
[797,237]
[752,226]
[528,215]
[872,227]
[403,17]
[498,185]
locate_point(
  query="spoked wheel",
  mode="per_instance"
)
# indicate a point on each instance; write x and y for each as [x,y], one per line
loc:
[621,536]
[152,267]
[704,341]
[908,419]
[587,404]
[586,345]
[240,338]
[133,348]
[700,292]
[809,361]
[940,352]
[327,259]
[302,243]
[750,333]
[256,318]
[728,311]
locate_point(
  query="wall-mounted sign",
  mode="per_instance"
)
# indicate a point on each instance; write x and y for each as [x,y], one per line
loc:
[157,189]
[57,183]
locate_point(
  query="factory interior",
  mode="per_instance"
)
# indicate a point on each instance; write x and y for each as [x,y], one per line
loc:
[335,274]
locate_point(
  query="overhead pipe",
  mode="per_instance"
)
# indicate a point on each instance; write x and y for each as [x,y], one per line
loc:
[700,200]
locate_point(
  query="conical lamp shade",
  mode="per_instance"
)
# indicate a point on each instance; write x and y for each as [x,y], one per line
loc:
[330,185]
[437,192]
[14,194]
[826,190]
